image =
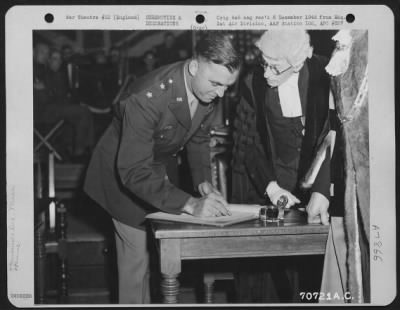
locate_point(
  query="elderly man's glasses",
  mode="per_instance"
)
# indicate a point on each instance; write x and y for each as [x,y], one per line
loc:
[273,69]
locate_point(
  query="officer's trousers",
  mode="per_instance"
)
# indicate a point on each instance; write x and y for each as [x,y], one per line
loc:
[133,264]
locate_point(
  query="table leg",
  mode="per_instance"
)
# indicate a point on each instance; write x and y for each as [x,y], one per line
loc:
[209,290]
[170,288]
[40,253]
[170,261]
[209,280]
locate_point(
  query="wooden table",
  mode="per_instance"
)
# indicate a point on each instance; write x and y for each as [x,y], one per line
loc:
[180,241]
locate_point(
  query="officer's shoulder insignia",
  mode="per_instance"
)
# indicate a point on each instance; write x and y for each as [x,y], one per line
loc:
[157,89]
[162,86]
[179,99]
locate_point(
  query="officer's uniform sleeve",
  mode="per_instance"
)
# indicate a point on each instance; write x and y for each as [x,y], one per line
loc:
[137,169]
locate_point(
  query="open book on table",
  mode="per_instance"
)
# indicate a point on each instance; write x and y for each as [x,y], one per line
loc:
[239,213]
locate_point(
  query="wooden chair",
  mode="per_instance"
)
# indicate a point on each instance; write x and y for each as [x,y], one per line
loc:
[68,179]
[90,250]
[50,234]
[219,146]
[44,138]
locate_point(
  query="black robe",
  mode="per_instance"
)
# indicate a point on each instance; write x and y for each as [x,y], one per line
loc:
[254,166]
[254,154]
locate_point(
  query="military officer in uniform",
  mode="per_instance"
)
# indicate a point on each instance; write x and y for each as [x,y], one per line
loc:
[166,110]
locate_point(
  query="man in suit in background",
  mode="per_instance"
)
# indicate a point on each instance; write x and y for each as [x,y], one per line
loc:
[49,108]
[281,120]
[128,175]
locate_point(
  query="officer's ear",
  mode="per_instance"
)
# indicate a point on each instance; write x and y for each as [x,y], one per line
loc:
[193,67]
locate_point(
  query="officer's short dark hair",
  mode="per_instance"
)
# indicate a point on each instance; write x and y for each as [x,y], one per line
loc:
[219,47]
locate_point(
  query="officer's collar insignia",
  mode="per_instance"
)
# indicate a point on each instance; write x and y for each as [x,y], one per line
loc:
[179,99]
[162,86]
[149,94]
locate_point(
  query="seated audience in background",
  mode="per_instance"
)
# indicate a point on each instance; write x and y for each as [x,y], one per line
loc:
[96,83]
[148,63]
[114,55]
[168,52]
[50,108]
[67,53]
[100,57]
[282,118]
[68,61]
[57,84]
[59,92]
[118,70]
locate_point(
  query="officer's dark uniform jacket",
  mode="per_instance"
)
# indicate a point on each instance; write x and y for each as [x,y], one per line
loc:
[127,174]
[268,146]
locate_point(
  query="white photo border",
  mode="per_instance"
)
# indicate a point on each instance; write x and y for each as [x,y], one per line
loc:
[22,20]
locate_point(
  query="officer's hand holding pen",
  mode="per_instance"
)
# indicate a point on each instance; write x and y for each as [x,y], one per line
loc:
[206,188]
[211,204]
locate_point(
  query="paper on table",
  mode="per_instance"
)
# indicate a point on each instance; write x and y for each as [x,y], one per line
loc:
[240,213]
[244,208]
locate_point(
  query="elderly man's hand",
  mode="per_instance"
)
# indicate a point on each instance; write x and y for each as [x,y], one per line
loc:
[274,192]
[317,209]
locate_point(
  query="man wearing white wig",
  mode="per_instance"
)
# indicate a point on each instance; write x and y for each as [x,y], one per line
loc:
[281,121]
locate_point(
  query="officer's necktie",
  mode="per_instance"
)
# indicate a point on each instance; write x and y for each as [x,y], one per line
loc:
[193,107]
